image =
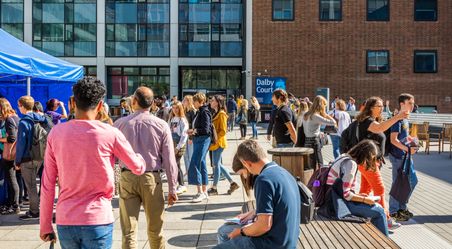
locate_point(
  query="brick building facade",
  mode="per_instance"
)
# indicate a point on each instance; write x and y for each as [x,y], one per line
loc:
[312,53]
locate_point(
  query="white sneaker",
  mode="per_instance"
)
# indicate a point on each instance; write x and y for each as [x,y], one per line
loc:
[163,176]
[393,225]
[199,198]
[181,189]
[206,195]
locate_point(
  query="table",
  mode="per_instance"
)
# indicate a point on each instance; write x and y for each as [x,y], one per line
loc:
[294,160]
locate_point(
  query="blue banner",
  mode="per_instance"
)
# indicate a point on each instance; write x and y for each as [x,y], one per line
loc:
[265,87]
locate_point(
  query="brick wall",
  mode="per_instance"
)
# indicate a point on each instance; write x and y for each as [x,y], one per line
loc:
[312,54]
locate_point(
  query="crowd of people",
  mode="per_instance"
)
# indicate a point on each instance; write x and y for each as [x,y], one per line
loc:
[153,135]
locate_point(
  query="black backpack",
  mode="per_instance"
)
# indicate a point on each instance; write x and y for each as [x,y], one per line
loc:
[349,137]
[307,203]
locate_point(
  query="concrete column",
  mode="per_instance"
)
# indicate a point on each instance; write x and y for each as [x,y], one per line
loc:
[100,62]
[28,22]
[249,49]
[174,47]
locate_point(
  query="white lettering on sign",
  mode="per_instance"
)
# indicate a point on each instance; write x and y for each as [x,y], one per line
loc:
[264,85]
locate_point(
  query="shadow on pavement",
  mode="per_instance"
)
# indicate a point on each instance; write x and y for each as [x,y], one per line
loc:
[435,165]
[188,240]
[422,219]
[213,215]
[202,207]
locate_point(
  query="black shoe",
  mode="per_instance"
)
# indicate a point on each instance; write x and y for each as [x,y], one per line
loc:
[406,213]
[399,217]
[29,216]
[234,186]
[212,191]
[11,210]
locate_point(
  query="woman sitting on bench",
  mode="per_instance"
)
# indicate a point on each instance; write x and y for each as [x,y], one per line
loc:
[343,173]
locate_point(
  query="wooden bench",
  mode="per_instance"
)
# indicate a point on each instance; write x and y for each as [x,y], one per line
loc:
[324,233]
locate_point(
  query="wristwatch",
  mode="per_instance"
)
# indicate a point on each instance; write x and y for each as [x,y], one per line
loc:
[243,233]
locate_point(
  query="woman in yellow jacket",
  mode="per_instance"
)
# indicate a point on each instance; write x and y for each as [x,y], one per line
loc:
[220,122]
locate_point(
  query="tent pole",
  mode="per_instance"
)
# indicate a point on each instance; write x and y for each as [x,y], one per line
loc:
[29,86]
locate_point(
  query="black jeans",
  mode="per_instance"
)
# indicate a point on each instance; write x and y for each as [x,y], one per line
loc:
[243,130]
[22,188]
[316,159]
[13,186]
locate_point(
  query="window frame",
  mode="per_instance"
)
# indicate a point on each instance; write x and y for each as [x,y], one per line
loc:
[425,51]
[283,20]
[387,56]
[137,26]
[414,13]
[19,23]
[330,20]
[367,12]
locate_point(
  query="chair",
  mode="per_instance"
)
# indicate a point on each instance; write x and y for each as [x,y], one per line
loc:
[423,135]
[447,137]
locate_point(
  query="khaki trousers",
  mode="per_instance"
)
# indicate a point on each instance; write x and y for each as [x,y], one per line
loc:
[134,191]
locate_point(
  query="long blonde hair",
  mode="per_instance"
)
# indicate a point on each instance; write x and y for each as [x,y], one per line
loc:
[244,104]
[255,103]
[190,107]
[303,108]
[318,107]
[179,106]
[5,108]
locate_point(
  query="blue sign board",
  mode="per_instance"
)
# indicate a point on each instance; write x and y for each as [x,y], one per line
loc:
[265,87]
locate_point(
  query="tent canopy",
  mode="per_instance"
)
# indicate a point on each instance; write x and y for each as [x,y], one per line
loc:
[19,60]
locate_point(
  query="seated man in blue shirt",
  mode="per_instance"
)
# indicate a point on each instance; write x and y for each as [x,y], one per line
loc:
[276,220]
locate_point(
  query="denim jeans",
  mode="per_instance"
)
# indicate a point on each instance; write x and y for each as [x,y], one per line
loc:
[394,205]
[197,172]
[218,167]
[376,213]
[336,141]
[231,121]
[254,128]
[289,145]
[188,154]
[239,242]
[86,237]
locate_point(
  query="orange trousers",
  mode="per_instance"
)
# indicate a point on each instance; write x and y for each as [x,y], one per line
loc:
[371,181]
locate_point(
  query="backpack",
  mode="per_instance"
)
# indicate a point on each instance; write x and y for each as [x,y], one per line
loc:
[317,184]
[307,203]
[349,137]
[39,142]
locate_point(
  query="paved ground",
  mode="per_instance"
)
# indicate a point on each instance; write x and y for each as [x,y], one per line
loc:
[190,225]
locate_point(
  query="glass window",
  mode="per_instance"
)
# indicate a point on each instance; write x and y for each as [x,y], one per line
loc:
[126,13]
[425,10]
[199,13]
[231,49]
[330,10]
[52,13]
[204,78]
[189,78]
[158,13]
[85,13]
[125,49]
[377,61]
[15,29]
[219,80]
[123,81]
[12,13]
[234,78]
[232,13]
[231,32]
[425,62]
[283,10]
[377,10]
[125,32]
[71,22]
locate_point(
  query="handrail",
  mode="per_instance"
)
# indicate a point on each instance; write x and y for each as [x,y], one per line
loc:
[436,119]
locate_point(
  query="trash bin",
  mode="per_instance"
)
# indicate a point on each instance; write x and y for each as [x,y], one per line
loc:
[294,160]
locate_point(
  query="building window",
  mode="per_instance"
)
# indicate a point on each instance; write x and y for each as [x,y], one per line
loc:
[425,61]
[330,10]
[426,10]
[123,81]
[377,61]
[211,78]
[12,17]
[283,10]
[65,28]
[137,29]
[377,10]
[210,28]
[90,71]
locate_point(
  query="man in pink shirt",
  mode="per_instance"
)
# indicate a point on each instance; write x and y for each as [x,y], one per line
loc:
[151,137]
[81,154]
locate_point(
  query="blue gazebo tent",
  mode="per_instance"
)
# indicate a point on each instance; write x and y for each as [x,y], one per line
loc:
[25,70]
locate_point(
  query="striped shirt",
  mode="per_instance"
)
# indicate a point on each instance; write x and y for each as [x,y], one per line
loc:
[349,178]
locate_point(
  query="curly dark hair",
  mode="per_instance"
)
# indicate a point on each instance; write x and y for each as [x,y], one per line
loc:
[88,92]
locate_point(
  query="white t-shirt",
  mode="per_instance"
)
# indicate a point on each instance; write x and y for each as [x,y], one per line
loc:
[344,121]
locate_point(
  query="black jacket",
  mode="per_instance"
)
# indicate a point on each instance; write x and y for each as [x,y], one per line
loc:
[203,121]
[190,115]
